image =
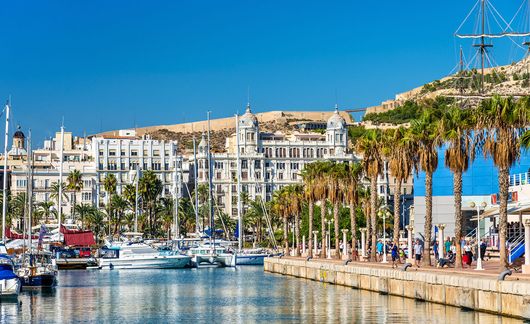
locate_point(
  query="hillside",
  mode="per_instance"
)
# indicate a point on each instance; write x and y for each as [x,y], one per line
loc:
[273,121]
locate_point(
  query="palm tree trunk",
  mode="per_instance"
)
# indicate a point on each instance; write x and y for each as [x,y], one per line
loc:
[297,233]
[373,214]
[457,192]
[285,236]
[428,218]
[323,230]
[353,224]
[504,183]
[337,235]
[397,196]
[310,228]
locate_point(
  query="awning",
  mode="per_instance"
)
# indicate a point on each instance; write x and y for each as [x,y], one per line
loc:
[514,209]
[79,239]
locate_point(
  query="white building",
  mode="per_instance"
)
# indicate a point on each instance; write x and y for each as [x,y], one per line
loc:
[269,161]
[124,154]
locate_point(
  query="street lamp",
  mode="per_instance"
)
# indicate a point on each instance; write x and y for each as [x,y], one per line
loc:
[479,259]
[329,238]
[292,229]
[384,214]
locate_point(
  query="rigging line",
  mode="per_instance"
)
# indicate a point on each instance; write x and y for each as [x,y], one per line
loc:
[494,11]
[467,17]
[495,18]
[516,14]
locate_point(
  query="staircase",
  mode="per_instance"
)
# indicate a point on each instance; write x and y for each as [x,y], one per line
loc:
[516,248]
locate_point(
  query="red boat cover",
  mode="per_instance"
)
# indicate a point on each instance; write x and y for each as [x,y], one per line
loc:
[85,238]
[77,238]
[14,235]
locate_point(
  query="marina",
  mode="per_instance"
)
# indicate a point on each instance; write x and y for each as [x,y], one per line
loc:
[139,296]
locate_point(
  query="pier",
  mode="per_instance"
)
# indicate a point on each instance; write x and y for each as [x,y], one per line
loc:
[470,290]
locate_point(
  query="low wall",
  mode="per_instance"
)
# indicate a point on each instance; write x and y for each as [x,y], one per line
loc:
[507,298]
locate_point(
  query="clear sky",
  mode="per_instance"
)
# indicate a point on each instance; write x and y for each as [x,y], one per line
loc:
[113,64]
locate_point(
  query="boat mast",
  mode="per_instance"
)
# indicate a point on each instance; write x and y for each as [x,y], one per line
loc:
[197,229]
[136,199]
[61,180]
[4,188]
[238,181]
[177,189]
[30,189]
[210,205]
[26,205]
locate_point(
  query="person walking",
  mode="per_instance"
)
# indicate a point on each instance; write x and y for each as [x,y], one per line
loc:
[483,248]
[379,249]
[468,255]
[418,251]
[447,245]
[395,256]
[435,250]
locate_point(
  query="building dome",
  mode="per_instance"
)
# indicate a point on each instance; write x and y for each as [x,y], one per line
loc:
[248,119]
[19,134]
[336,121]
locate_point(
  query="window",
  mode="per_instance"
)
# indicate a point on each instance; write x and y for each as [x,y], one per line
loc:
[280,175]
[156,153]
[112,152]
[100,152]
[244,175]
[134,153]
[257,164]
[122,166]
[166,153]
[294,166]
[280,165]
[145,152]
[294,176]
[257,175]
[244,164]
[122,153]
[166,166]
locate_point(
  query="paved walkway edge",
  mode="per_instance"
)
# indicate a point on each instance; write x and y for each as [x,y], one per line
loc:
[507,298]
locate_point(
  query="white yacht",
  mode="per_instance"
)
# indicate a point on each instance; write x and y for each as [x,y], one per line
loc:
[210,255]
[251,257]
[140,256]
[9,282]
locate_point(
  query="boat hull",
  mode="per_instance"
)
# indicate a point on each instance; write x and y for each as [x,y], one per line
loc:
[9,288]
[250,259]
[159,262]
[38,281]
[211,260]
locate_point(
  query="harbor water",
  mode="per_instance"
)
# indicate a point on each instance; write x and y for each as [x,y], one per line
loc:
[242,295]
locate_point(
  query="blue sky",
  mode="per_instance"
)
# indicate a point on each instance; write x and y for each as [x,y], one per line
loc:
[113,64]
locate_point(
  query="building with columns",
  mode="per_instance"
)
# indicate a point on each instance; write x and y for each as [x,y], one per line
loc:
[269,161]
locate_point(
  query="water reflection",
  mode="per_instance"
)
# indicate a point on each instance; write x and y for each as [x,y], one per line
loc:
[219,295]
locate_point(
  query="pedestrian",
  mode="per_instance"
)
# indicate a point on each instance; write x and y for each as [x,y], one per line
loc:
[468,254]
[395,255]
[483,247]
[418,250]
[435,249]
[447,245]
[379,250]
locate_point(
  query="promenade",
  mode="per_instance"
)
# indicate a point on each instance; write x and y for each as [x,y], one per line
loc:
[466,288]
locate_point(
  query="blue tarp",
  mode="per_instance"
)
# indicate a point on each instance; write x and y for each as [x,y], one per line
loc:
[6,272]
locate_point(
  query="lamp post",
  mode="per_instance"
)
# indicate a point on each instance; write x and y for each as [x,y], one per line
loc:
[479,259]
[292,229]
[329,238]
[384,214]
[363,242]
[526,266]
[315,233]
[441,243]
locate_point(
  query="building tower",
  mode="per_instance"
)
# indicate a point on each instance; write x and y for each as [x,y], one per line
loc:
[337,133]
[18,149]
[248,132]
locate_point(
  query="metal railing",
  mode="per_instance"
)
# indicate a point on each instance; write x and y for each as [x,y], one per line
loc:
[519,179]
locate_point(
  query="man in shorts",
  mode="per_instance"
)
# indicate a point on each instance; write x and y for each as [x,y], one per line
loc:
[418,251]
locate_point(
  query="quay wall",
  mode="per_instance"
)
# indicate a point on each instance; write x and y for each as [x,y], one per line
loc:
[487,294]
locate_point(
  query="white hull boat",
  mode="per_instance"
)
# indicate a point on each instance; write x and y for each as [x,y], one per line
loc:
[206,256]
[142,257]
[251,258]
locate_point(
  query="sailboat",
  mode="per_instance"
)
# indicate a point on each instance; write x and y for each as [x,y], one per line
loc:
[37,268]
[9,282]
[210,253]
[244,257]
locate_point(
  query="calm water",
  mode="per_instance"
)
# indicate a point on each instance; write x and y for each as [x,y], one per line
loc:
[242,295]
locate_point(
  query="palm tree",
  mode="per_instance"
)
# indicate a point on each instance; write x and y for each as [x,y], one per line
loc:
[354,173]
[294,208]
[425,133]
[370,146]
[400,152]
[151,188]
[500,125]
[18,207]
[96,221]
[337,176]
[119,206]
[75,184]
[44,209]
[165,212]
[281,208]
[83,211]
[309,175]
[109,184]
[321,193]
[455,128]
[54,195]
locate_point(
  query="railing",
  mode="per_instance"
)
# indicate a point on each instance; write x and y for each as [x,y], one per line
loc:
[516,248]
[519,179]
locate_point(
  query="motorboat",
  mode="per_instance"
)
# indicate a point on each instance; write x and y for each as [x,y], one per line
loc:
[9,282]
[211,255]
[251,257]
[140,256]
[37,270]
